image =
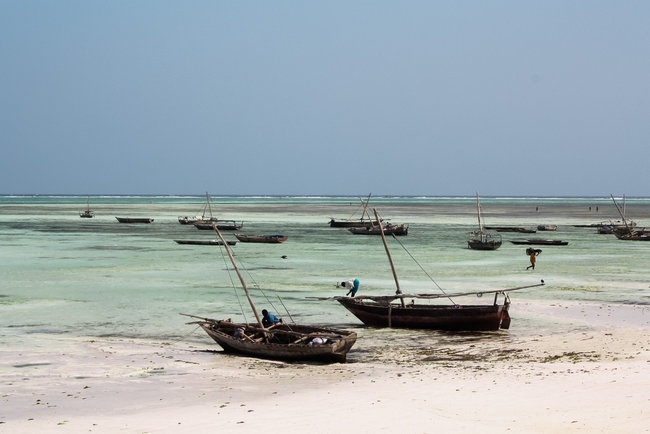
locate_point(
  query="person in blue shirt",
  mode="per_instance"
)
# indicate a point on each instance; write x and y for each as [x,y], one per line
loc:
[268,319]
[352,286]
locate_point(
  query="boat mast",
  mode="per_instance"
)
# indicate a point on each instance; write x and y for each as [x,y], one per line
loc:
[365,208]
[241,279]
[622,213]
[390,259]
[478,208]
[208,206]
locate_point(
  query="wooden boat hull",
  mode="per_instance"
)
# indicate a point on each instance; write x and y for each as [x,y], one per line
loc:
[541,242]
[350,223]
[205,242]
[483,245]
[336,351]
[425,316]
[187,220]
[396,230]
[261,238]
[223,225]
[134,219]
[633,236]
[511,229]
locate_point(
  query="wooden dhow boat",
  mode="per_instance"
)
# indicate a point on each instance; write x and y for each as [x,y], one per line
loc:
[288,342]
[134,219]
[87,213]
[480,239]
[511,229]
[395,311]
[354,223]
[378,229]
[261,238]
[627,232]
[205,242]
[540,242]
[205,220]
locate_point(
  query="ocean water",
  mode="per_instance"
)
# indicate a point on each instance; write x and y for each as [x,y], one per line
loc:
[90,278]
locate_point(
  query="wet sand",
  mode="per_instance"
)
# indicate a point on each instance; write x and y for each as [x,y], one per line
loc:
[592,379]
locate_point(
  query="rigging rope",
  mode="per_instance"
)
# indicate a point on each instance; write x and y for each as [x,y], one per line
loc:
[232,283]
[242,266]
[422,268]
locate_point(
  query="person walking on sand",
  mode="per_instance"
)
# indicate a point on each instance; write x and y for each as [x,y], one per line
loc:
[532,253]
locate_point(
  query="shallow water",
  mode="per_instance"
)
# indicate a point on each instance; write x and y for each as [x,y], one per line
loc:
[96,277]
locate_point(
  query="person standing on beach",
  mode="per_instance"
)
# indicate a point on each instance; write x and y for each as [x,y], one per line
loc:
[352,285]
[532,253]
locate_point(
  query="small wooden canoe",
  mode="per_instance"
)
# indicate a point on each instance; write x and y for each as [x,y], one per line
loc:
[261,238]
[540,242]
[134,219]
[205,242]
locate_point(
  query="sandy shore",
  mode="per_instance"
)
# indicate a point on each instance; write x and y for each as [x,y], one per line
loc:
[593,379]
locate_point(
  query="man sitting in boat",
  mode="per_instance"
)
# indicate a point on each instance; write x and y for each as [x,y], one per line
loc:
[352,285]
[268,319]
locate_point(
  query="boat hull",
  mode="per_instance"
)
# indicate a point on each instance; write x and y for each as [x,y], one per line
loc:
[438,317]
[395,230]
[205,242]
[221,225]
[350,223]
[541,242]
[134,219]
[341,342]
[483,245]
[261,238]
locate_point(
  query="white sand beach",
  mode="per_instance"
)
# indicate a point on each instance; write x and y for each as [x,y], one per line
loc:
[594,380]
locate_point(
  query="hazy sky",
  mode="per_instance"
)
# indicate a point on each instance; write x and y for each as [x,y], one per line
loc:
[325,97]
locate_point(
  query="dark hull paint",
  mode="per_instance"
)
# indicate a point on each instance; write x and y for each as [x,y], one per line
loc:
[134,219]
[541,242]
[483,245]
[205,242]
[222,333]
[261,238]
[439,317]
[350,223]
[221,226]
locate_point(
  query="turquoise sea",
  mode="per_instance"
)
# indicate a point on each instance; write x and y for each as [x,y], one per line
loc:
[66,276]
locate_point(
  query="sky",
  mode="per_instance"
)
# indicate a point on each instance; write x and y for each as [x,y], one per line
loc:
[524,98]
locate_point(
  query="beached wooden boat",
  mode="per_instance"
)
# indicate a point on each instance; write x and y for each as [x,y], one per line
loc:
[281,342]
[511,229]
[395,311]
[547,227]
[289,342]
[480,239]
[261,238]
[87,213]
[134,219]
[540,242]
[204,242]
[388,229]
